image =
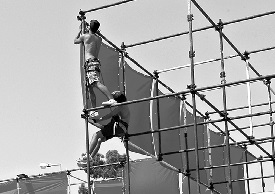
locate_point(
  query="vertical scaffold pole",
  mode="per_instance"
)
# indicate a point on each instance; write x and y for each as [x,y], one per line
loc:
[122,68]
[187,171]
[17,186]
[192,87]
[249,94]
[262,172]
[158,116]
[271,123]
[211,187]
[246,169]
[224,115]
[126,143]
[126,137]
[85,98]
[185,146]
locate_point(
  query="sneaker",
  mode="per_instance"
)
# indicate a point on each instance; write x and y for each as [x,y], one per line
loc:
[93,114]
[109,102]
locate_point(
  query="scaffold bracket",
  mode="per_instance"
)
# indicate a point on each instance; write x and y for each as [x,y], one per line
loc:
[192,88]
[190,17]
[211,186]
[219,25]
[160,158]
[251,139]
[267,81]
[222,74]
[186,173]
[246,55]
[206,115]
[191,54]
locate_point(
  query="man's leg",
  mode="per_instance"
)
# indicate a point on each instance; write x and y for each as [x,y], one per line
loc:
[96,141]
[104,90]
[92,95]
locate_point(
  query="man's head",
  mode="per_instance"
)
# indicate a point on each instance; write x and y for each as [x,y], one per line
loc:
[94,25]
[119,96]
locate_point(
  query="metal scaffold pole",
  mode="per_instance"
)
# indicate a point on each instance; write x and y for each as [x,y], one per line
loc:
[85,93]
[268,82]
[224,115]
[192,87]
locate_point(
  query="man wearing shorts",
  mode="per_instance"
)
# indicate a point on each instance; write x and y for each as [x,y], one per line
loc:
[117,127]
[92,43]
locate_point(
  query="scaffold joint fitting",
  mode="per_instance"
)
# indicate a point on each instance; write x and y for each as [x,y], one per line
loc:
[160,158]
[211,186]
[271,122]
[186,173]
[82,13]
[123,47]
[246,55]
[206,115]
[219,26]
[156,74]
[191,54]
[267,81]
[190,17]
[192,88]
[185,134]
[222,74]
[85,114]
[260,158]
[182,96]
[224,115]
[251,139]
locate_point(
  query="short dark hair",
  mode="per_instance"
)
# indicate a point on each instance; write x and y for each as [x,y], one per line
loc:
[94,25]
[119,96]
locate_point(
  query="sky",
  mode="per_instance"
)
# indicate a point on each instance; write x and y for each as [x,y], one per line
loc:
[41,100]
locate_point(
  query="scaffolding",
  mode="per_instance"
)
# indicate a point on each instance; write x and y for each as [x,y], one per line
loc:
[222,122]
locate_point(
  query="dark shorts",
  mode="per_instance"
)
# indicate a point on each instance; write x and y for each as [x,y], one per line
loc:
[92,68]
[113,129]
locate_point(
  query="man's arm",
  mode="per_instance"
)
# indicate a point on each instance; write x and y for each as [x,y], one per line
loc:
[109,115]
[91,121]
[78,39]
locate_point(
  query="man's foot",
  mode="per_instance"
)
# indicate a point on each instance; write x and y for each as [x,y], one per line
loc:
[93,114]
[109,102]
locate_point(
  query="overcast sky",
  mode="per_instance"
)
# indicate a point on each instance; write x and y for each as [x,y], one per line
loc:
[41,98]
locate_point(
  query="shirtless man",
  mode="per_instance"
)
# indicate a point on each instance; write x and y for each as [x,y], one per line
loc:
[117,127]
[92,43]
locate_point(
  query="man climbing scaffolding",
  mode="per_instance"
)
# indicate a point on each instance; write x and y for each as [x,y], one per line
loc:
[117,127]
[92,43]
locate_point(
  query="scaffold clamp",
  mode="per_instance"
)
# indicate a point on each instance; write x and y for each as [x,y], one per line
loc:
[160,158]
[191,54]
[190,17]
[246,55]
[219,25]
[186,173]
[251,139]
[206,115]
[192,88]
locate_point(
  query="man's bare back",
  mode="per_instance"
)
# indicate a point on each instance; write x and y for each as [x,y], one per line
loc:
[92,44]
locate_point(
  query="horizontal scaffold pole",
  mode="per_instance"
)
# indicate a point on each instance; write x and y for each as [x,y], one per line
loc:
[214,60]
[107,6]
[188,91]
[198,30]
[240,143]
[244,107]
